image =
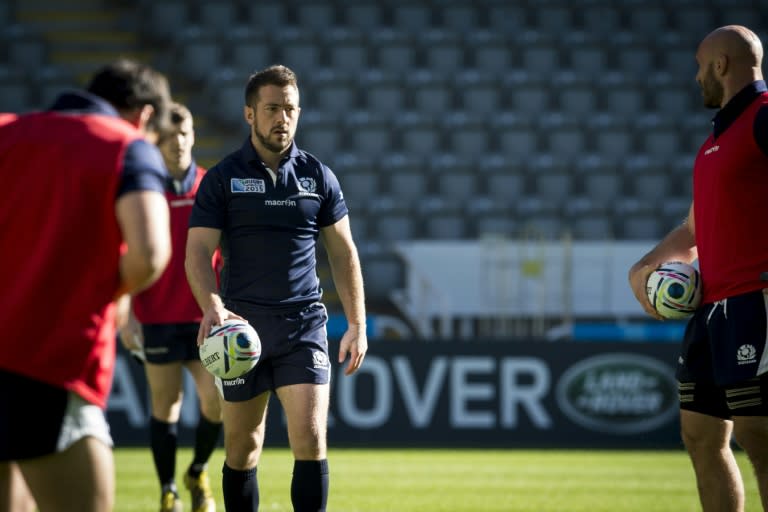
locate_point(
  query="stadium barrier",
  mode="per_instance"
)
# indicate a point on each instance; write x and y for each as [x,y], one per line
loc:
[470,394]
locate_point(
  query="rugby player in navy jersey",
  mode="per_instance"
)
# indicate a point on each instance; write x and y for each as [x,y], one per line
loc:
[165,321]
[266,205]
[722,368]
[85,222]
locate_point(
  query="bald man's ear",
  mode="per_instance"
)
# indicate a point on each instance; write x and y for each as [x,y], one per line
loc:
[721,65]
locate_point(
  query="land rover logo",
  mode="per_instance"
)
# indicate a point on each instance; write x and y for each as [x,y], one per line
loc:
[618,393]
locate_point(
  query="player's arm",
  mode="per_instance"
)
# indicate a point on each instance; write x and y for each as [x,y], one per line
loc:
[678,245]
[201,246]
[348,279]
[144,222]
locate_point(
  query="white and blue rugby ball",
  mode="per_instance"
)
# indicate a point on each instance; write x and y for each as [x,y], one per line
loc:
[674,290]
[231,349]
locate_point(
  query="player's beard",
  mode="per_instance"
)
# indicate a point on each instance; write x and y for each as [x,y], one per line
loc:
[269,145]
[711,89]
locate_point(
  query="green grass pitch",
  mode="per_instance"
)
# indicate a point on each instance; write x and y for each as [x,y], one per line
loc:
[411,480]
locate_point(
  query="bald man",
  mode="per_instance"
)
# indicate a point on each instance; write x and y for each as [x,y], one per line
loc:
[723,384]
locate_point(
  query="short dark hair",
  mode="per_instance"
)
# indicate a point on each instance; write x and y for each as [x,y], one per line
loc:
[128,85]
[277,74]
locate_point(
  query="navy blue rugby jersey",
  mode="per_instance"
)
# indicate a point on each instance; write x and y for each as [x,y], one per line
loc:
[269,230]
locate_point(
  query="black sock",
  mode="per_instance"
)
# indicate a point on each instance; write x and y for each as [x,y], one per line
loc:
[240,488]
[206,437]
[163,440]
[309,487]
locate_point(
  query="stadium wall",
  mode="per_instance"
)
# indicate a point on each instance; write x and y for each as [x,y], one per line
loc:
[471,394]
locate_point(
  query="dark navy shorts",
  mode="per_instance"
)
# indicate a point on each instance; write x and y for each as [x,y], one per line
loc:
[294,350]
[168,343]
[723,363]
[38,419]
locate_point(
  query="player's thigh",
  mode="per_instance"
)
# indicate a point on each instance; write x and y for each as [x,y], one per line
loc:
[244,427]
[210,398]
[306,412]
[166,389]
[82,477]
[14,493]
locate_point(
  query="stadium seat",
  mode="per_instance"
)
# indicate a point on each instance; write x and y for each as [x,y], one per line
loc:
[414,17]
[647,177]
[488,217]
[562,135]
[552,178]
[224,93]
[381,92]
[248,49]
[649,19]
[443,51]
[659,135]
[600,179]
[25,48]
[505,185]
[633,56]
[488,52]
[611,135]
[392,221]
[369,132]
[516,134]
[539,219]
[672,96]
[216,16]
[383,272]
[394,50]
[585,54]
[333,90]
[466,133]
[529,92]
[319,133]
[50,81]
[454,177]
[299,50]
[316,15]
[575,94]
[15,93]
[431,92]
[587,220]
[347,49]
[600,18]
[478,92]
[554,18]
[158,16]
[408,184]
[198,52]
[360,187]
[419,134]
[267,14]
[539,51]
[457,16]
[621,95]
[637,220]
[508,17]
[694,18]
[442,219]
[677,53]
[364,15]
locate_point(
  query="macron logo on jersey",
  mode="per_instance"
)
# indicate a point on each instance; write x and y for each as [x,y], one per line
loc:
[247,185]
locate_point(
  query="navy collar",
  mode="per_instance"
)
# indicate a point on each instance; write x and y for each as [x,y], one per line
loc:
[82,102]
[252,158]
[736,105]
[186,184]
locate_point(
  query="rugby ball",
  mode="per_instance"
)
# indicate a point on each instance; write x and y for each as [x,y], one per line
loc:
[674,290]
[231,349]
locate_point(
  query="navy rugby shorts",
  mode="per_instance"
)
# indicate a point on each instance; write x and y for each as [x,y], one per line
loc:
[294,350]
[723,363]
[38,419]
[168,343]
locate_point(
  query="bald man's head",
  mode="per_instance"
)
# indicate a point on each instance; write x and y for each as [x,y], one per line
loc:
[729,58]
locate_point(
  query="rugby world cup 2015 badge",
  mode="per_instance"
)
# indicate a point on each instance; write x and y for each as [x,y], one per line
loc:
[247,185]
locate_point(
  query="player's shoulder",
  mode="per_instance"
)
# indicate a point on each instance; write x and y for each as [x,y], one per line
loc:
[306,162]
